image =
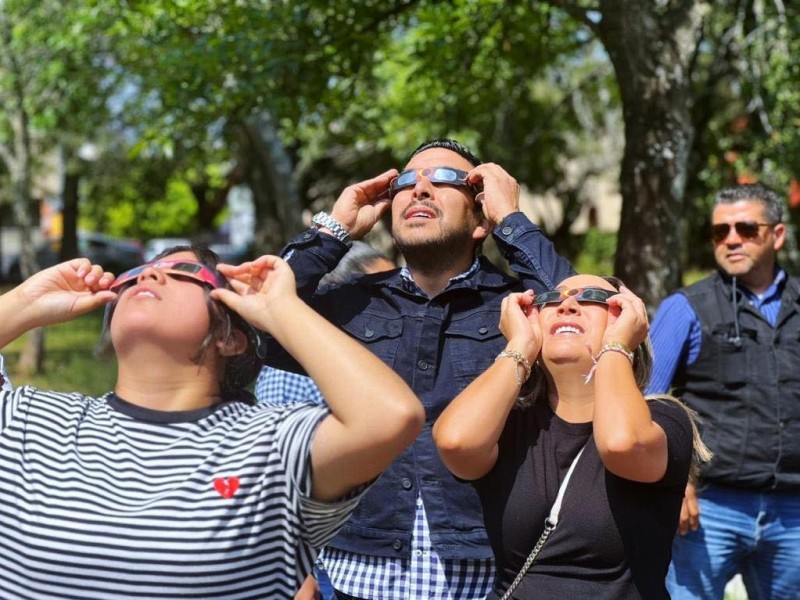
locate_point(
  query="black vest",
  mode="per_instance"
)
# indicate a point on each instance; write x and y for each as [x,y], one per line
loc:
[746,389]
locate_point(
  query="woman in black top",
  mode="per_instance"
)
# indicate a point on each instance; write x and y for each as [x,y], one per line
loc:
[620,508]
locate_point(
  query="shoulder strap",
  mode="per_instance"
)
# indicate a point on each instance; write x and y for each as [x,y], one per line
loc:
[549,525]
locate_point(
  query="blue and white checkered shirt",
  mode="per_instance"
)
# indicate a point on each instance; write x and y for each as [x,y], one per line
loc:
[282,387]
[424,576]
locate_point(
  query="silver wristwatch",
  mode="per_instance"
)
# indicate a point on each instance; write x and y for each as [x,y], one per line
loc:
[323,219]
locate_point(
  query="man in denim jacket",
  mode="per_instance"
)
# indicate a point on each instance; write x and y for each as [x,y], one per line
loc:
[418,532]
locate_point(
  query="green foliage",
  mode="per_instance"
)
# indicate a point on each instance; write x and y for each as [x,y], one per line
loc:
[522,82]
[597,257]
[53,62]
[516,81]
[776,51]
[151,201]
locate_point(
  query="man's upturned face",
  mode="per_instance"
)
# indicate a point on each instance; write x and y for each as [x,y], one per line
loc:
[436,216]
[743,256]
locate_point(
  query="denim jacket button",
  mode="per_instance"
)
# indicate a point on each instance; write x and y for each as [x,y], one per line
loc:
[422,365]
[507,230]
[397,545]
[406,483]
[483,330]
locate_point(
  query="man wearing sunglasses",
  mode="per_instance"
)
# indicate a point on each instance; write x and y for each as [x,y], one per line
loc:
[729,346]
[418,533]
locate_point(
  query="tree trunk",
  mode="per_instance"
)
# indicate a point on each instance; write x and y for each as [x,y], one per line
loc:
[652,50]
[69,213]
[270,174]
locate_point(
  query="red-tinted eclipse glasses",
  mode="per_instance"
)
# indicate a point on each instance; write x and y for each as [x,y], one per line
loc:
[183,268]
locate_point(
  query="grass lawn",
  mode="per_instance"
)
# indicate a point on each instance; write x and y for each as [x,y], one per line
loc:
[70,364]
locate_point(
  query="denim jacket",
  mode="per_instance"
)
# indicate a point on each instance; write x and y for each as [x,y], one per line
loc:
[438,345]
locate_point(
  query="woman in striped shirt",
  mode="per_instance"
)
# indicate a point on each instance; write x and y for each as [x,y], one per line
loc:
[176,485]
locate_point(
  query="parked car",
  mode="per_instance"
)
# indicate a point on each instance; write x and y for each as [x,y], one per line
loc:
[114,254]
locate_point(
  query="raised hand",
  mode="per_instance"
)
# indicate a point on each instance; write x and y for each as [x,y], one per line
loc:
[627,319]
[362,204]
[54,295]
[500,196]
[519,323]
[65,291]
[259,288]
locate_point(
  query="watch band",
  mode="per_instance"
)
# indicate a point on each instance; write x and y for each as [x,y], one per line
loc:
[323,219]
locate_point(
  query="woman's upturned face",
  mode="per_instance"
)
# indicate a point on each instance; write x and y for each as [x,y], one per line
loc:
[161,308]
[573,330]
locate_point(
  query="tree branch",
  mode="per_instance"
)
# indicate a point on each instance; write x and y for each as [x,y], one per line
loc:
[576,11]
[393,12]
[531,138]
[8,157]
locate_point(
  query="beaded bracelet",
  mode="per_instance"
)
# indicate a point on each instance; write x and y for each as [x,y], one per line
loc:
[521,361]
[608,347]
[615,347]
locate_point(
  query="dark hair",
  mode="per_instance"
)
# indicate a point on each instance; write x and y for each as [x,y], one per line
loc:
[241,369]
[447,144]
[753,192]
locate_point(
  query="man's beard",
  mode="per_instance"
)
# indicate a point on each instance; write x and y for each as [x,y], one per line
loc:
[438,251]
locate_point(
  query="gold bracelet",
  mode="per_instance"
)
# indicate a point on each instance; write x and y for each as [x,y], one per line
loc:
[520,360]
[615,347]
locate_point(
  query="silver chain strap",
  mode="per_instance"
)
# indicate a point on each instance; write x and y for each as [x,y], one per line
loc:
[549,525]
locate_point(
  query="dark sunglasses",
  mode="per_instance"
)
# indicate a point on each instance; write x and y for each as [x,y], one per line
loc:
[184,268]
[747,230]
[584,294]
[447,175]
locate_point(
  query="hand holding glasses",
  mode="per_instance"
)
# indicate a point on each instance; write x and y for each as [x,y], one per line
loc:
[584,294]
[446,175]
[182,268]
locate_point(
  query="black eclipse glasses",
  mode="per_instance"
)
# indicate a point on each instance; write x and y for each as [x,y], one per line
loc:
[583,294]
[447,175]
[747,230]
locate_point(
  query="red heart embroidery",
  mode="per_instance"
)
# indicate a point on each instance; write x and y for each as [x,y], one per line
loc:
[226,486]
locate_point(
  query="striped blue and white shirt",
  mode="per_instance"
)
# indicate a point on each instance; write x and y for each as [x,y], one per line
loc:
[100,498]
